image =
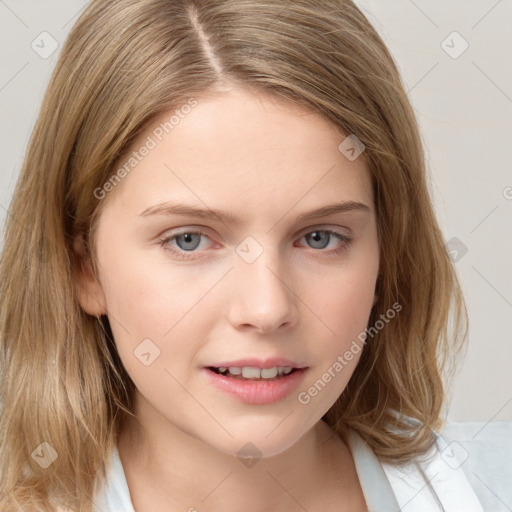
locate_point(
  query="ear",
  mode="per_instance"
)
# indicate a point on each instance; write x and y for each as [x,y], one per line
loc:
[88,288]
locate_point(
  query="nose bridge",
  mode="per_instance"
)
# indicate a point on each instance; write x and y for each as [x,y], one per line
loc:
[263,295]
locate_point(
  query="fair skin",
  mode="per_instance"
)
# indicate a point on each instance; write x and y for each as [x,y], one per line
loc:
[267,161]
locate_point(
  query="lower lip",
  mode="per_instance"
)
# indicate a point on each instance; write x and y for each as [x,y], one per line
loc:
[257,392]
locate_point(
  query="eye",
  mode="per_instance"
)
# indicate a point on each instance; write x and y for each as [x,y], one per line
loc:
[320,238]
[187,242]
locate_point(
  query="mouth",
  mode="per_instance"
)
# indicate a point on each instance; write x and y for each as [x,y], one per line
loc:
[257,382]
[253,372]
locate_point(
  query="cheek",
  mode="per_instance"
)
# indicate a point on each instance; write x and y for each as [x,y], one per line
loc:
[151,297]
[344,308]
[164,304]
[347,308]
[344,301]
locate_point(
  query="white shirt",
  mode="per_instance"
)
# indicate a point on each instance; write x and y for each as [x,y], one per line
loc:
[469,470]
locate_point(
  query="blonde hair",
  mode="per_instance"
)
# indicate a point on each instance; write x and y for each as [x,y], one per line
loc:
[124,62]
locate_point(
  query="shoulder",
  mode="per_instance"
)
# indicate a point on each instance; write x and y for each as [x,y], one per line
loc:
[484,452]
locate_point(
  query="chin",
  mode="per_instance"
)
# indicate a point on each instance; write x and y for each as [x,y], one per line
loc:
[261,439]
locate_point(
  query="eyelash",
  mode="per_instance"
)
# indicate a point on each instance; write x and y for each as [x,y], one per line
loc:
[347,240]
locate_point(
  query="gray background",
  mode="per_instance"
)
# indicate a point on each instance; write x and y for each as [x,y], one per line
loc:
[464,105]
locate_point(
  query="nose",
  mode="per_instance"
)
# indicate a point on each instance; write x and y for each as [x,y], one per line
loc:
[262,298]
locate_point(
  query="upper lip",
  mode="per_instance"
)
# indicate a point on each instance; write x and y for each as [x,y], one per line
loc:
[259,363]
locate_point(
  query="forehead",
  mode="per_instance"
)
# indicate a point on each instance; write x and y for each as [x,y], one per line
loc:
[255,152]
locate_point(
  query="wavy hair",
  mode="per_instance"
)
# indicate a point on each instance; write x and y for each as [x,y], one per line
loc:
[123,63]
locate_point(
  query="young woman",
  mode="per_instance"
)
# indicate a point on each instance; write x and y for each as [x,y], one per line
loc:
[223,285]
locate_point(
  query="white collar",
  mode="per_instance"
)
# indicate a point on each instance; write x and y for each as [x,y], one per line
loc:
[432,484]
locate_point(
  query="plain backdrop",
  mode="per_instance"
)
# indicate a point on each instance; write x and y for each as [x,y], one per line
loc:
[455,60]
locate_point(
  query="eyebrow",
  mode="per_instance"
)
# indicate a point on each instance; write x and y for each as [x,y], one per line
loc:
[230,218]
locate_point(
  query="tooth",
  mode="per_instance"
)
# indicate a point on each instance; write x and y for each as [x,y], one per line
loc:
[234,370]
[269,373]
[287,369]
[222,369]
[251,373]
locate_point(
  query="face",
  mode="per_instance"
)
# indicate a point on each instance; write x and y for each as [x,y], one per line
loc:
[260,287]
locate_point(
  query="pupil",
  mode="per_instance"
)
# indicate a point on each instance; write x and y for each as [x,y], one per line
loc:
[316,237]
[187,239]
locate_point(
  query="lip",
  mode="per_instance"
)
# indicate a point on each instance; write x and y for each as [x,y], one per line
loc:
[257,392]
[259,363]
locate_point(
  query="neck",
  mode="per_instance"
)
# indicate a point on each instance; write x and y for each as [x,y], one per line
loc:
[166,467]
